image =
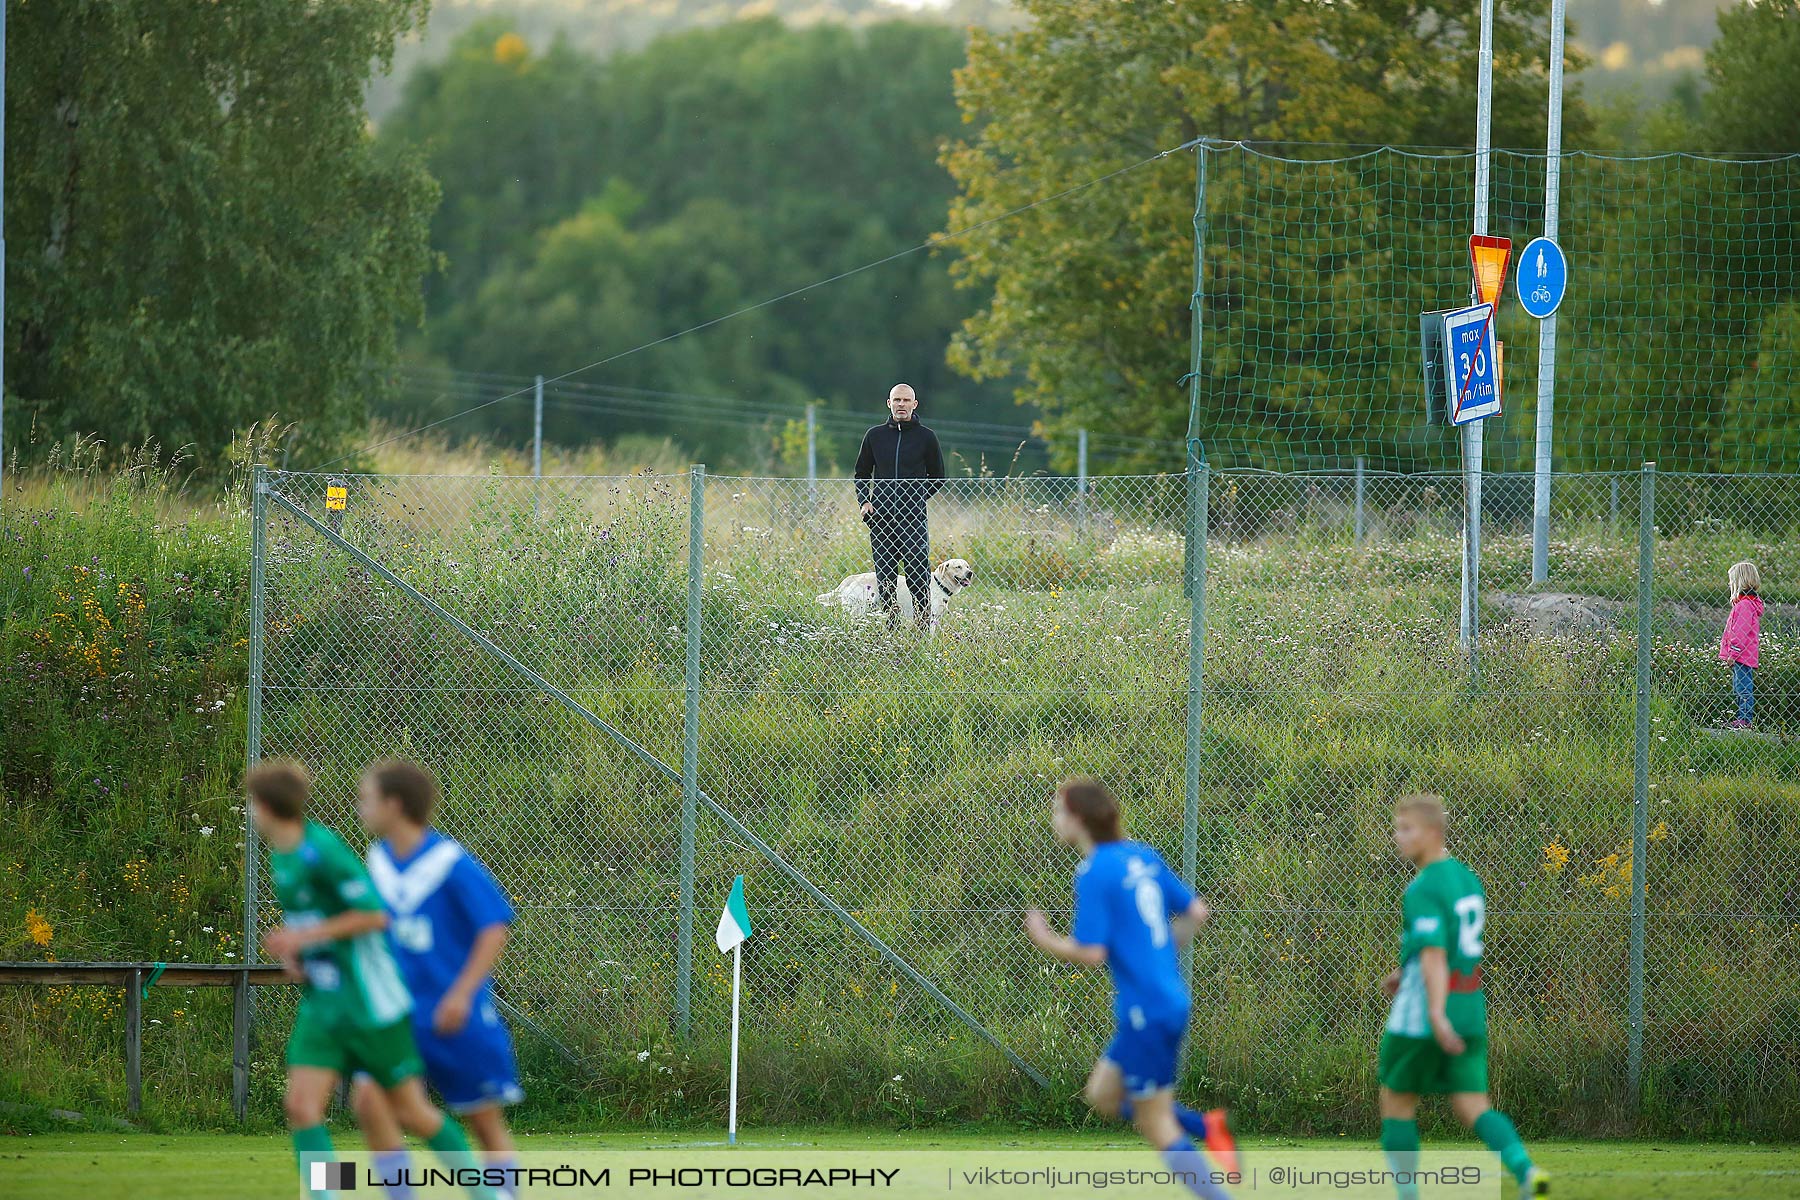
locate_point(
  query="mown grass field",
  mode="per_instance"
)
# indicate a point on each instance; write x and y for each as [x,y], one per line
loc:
[226,1167]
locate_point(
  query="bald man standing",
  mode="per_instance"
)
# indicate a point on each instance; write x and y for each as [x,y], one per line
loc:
[898,469]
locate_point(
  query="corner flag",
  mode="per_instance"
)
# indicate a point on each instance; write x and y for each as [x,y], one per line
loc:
[734,922]
[734,927]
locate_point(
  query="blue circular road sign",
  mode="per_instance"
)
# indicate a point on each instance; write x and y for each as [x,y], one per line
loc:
[1543,277]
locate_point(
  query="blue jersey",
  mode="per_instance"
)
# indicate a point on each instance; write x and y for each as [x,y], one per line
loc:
[441,898]
[1124,897]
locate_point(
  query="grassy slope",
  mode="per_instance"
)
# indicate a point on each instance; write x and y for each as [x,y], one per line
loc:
[1331,681]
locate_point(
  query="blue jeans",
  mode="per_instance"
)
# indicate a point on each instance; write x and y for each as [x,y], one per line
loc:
[1743,682]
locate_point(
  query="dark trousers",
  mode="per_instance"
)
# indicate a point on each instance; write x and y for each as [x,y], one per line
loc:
[902,538]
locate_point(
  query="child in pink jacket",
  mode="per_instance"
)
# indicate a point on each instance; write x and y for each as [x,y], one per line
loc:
[1743,629]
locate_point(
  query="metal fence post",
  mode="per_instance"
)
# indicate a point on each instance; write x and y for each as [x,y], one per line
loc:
[1197,481]
[1361,484]
[690,747]
[1081,482]
[1640,815]
[812,455]
[259,520]
[1196,339]
[537,442]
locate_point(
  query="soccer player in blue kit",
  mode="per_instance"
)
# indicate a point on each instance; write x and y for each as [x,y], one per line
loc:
[449,922]
[1132,914]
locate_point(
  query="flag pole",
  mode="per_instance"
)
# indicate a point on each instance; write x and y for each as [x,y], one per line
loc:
[737,959]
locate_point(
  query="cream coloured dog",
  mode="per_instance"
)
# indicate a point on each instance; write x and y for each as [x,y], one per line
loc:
[859,596]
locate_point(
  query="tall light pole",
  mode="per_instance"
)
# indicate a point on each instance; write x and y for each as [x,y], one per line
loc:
[1472,432]
[1546,379]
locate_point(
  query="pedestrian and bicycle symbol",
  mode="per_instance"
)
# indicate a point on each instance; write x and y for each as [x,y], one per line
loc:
[1543,277]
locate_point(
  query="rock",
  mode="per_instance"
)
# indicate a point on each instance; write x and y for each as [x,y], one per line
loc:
[1560,614]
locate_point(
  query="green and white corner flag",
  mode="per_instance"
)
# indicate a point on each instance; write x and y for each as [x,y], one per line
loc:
[734,922]
[734,927]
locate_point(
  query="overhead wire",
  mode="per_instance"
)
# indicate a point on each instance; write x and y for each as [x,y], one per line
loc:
[929,243]
[656,403]
[970,435]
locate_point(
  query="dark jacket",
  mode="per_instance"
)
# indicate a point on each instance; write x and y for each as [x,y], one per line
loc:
[893,451]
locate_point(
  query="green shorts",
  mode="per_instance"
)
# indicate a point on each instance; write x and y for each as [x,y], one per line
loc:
[387,1053]
[1419,1066]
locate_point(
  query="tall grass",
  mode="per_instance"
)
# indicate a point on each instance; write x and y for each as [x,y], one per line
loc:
[910,779]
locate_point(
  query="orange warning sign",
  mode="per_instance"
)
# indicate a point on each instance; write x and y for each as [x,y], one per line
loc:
[1488,256]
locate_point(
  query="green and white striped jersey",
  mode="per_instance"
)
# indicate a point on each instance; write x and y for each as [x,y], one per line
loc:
[1445,906]
[351,982]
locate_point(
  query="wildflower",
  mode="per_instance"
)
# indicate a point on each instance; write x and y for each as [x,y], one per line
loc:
[206,831]
[643,1056]
[36,928]
[1556,857]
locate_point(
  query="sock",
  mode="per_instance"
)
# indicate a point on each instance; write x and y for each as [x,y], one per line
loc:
[390,1164]
[1498,1134]
[508,1163]
[313,1140]
[1186,1160]
[1400,1142]
[1192,1122]
[452,1145]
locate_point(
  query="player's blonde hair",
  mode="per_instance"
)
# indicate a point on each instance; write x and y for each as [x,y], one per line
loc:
[1744,577]
[1427,806]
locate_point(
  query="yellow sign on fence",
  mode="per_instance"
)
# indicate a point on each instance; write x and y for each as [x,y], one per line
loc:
[337,498]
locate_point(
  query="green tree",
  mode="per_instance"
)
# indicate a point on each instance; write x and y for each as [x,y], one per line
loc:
[516,138]
[590,207]
[1762,405]
[1090,293]
[200,231]
[1752,102]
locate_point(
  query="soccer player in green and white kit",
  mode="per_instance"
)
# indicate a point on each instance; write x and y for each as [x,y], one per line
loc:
[1435,1042]
[354,1011]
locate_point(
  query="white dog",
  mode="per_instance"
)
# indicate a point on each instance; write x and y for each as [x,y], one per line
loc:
[859,596]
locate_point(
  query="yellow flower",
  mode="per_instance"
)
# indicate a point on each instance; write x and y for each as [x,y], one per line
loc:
[510,50]
[1660,832]
[36,928]
[1556,857]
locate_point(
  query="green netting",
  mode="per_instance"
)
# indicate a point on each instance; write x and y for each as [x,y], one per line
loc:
[1679,341]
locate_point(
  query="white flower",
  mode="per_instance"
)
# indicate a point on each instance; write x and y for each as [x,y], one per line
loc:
[643,1056]
[206,929]
[898,1078]
[206,831]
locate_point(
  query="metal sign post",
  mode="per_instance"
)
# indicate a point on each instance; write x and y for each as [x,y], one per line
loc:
[1472,442]
[1546,378]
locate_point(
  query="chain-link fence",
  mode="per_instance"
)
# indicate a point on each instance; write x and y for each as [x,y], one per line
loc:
[633,689]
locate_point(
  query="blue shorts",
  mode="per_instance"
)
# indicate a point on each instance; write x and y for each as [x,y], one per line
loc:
[1147,1053]
[472,1069]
